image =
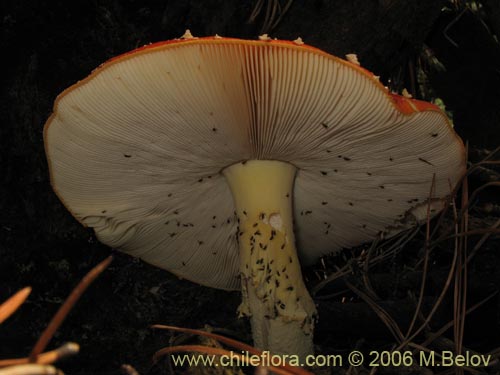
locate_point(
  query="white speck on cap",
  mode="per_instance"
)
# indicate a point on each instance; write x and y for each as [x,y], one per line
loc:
[188,35]
[406,94]
[299,41]
[264,37]
[352,58]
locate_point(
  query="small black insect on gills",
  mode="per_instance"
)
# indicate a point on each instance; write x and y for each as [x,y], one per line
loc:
[425,161]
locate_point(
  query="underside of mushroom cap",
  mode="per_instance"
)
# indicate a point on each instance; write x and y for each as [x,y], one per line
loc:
[136,149]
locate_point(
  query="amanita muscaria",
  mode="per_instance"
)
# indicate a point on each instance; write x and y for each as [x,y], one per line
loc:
[225,161]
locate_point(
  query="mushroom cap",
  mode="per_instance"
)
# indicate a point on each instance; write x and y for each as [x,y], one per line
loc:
[135,150]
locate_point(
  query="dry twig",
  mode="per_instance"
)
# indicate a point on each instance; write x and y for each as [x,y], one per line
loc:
[64,310]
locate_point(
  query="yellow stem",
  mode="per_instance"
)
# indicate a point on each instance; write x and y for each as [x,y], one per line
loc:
[274,295]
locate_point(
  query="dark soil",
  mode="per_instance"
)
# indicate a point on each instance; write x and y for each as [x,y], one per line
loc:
[49,45]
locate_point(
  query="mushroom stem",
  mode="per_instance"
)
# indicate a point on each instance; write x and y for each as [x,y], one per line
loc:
[274,296]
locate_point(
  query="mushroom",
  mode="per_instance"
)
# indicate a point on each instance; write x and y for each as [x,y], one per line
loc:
[224,161]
